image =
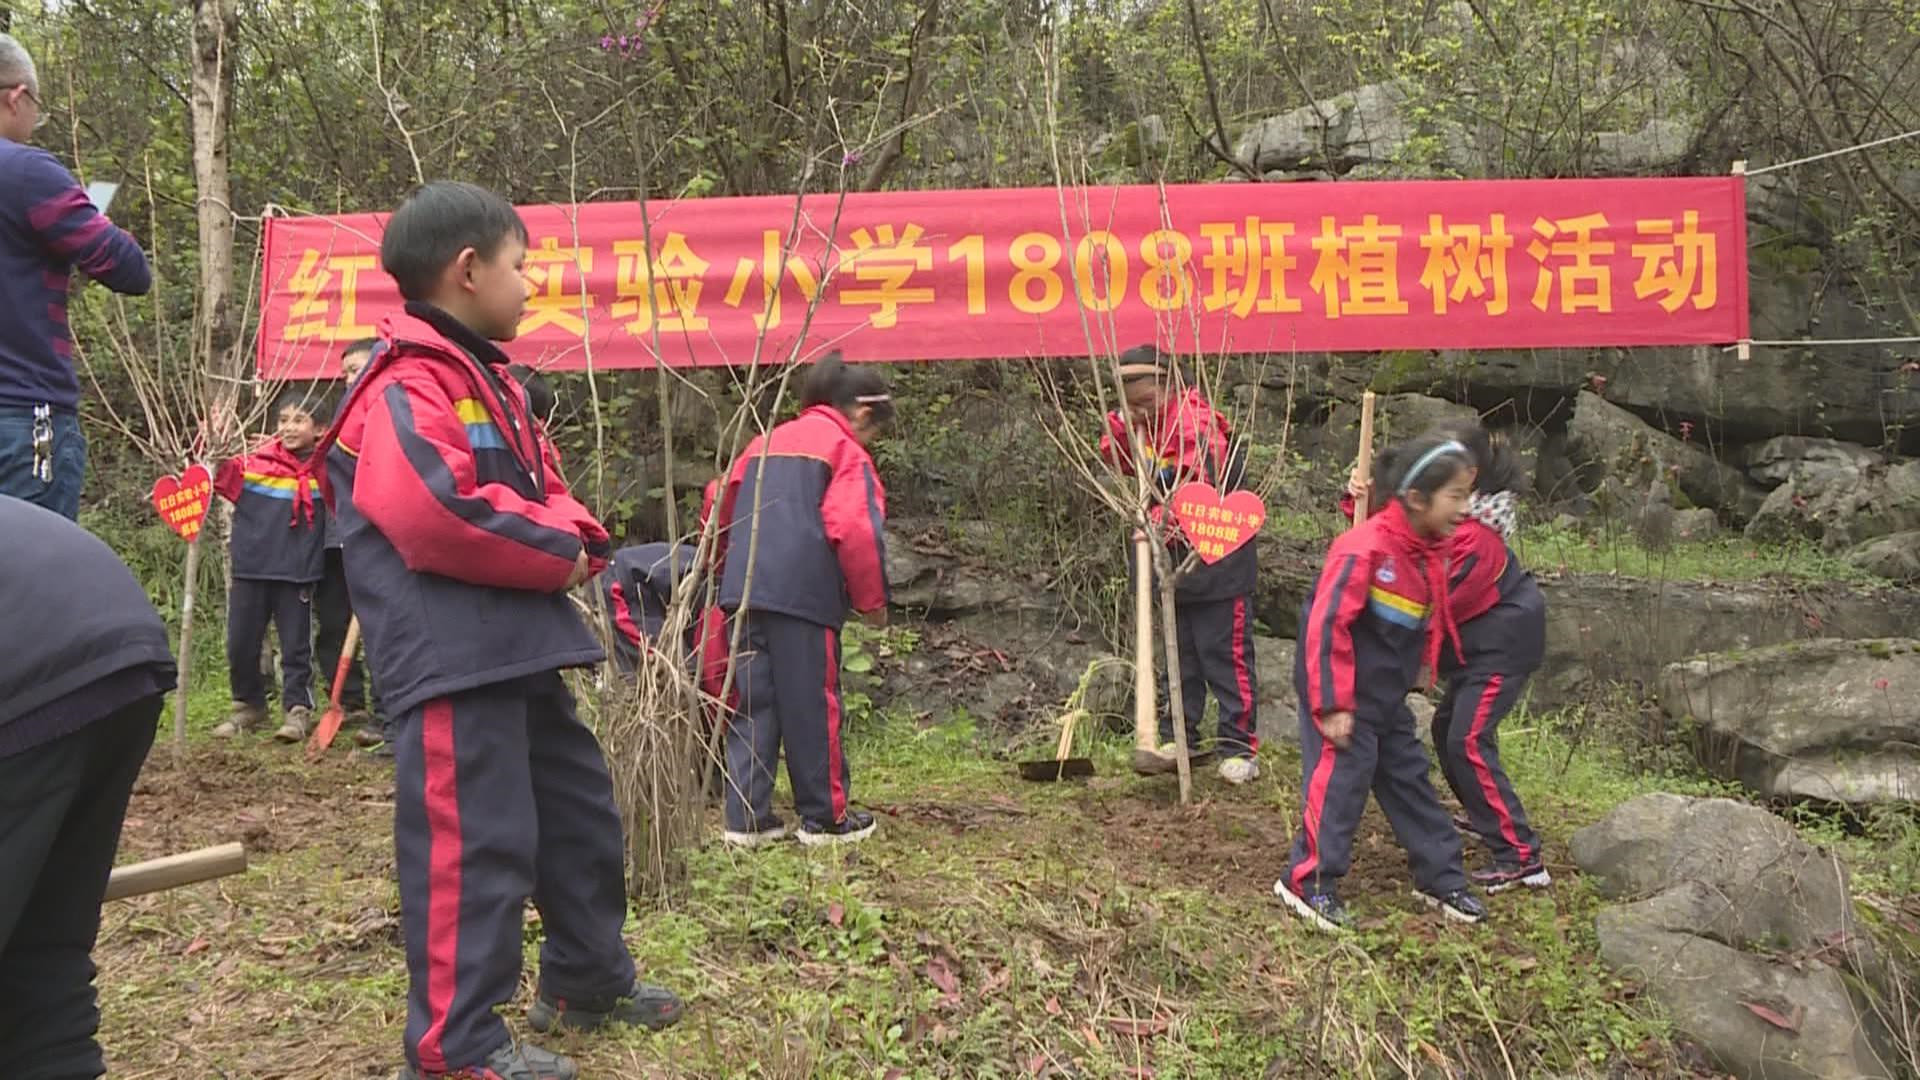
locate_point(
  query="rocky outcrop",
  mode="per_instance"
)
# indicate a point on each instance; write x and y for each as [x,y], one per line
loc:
[1605,441]
[1828,719]
[1841,508]
[1743,931]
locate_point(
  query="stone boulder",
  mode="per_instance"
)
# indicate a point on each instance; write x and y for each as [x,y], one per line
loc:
[1743,931]
[1368,128]
[1841,507]
[1895,557]
[1799,457]
[1828,719]
[1606,441]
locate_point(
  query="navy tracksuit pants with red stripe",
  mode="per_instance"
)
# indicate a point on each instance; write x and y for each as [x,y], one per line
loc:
[1384,756]
[502,794]
[789,696]
[1216,652]
[1503,648]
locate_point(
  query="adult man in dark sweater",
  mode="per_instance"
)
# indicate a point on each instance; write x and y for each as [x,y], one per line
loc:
[47,228]
[84,664]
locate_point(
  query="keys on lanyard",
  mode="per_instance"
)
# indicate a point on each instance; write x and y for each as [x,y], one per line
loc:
[43,443]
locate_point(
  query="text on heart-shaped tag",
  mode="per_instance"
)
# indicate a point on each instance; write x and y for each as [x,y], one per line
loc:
[1216,526]
[183,500]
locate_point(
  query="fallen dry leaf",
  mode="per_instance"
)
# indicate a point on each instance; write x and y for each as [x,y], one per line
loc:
[942,977]
[1053,1006]
[836,913]
[995,983]
[1772,1016]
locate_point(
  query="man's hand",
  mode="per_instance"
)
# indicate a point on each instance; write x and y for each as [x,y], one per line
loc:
[1337,728]
[580,573]
[876,618]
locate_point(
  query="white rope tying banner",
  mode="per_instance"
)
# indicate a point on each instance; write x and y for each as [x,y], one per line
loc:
[1807,342]
[1834,153]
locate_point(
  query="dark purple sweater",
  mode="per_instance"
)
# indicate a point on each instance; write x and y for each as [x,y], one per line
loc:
[47,229]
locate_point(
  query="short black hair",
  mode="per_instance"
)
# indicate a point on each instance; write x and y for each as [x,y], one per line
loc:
[1396,461]
[435,224]
[310,398]
[1499,468]
[365,345]
[833,381]
[540,396]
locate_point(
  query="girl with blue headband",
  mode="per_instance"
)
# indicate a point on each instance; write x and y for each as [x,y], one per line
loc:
[1375,621]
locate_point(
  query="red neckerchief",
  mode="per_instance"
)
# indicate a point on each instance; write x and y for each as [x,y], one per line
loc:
[1432,553]
[276,451]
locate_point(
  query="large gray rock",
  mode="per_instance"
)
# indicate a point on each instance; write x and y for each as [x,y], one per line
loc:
[1368,127]
[1798,457]
[1841,508]
[1718,890]
[1655,148]
[1828,719]
[1895,556]
[1605,441]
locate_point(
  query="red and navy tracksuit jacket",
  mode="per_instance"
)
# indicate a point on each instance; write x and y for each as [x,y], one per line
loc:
[279,523]
[638,586]
[1501,617]
[459,538]
[1377,615]
[821,549]
[810,493]
[1213,605]
[1503,634]
[1191,441]
[457,530]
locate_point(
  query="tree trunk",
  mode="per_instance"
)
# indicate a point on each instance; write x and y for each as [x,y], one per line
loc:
[211,100]
[186,646]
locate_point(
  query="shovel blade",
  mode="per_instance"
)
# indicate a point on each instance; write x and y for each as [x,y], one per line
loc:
[324,732]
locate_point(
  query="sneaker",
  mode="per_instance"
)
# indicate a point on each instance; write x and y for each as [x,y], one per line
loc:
[1239,770]
[1465,824]
[1500,877]
[243,719]
[1323,909]
[753,838]
[650,1007]
[856,826]
[1460,905]
[299,720]
[514,1061]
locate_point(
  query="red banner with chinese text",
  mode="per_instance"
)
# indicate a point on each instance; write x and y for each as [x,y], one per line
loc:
[940,275]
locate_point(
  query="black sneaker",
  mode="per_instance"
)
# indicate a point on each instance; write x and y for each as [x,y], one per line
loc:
[514,1061]
[856,826]
[650,1007]
[1500,877]
[1322,909]
[1460,905]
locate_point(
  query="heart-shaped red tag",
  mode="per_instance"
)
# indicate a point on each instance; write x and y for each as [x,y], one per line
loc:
[1215,526]
[183,500]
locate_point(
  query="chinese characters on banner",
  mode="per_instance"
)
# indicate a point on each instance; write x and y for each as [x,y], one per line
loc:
[937,275]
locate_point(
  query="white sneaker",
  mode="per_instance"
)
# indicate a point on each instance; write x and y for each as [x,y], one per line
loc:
[1239,770]
[754,839]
